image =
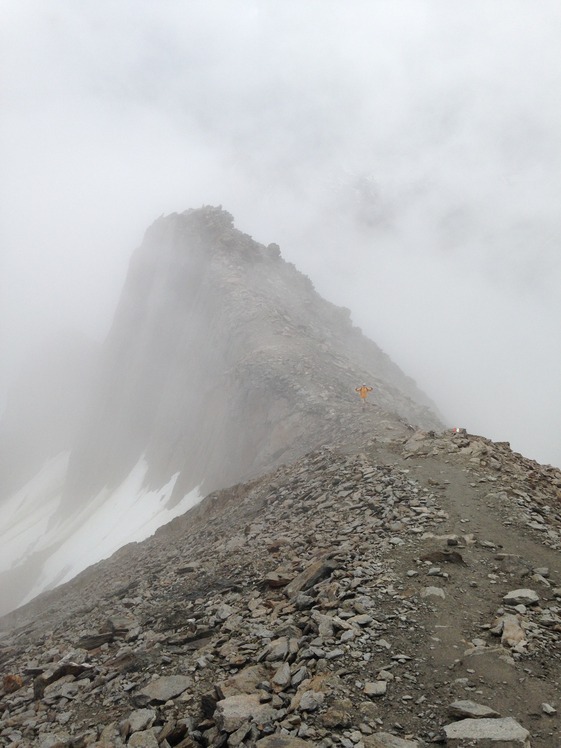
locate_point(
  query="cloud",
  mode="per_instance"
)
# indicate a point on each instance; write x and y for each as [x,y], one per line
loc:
[405,155]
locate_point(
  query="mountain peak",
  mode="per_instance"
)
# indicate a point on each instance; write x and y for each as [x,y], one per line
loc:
[351,558]
[222,362]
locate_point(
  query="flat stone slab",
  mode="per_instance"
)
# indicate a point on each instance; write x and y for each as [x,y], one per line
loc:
[283,741]
[243,682]
[144,739]
[233,712]
[487,733]
[521,597]
[312,574]
[471,709]
[141,719]
[433,592]
[387,740]
[167,687]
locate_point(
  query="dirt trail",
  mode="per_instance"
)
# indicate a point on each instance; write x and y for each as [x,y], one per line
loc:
[474,594]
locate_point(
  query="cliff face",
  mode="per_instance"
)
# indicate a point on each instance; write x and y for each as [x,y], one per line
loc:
[222,361]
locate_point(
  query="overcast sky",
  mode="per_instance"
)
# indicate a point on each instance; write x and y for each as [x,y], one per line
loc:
[406,155]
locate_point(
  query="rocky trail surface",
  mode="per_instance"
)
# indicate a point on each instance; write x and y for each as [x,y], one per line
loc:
[399,589]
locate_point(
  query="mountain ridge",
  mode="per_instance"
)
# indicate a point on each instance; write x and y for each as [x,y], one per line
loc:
[365,578]
[222,362]
[255,318]
[366,590]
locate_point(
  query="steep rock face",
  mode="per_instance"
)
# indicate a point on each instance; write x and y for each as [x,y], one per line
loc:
[223,361]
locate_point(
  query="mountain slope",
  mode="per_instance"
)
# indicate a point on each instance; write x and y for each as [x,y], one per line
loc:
[221,359]
[222,362]
[365,595]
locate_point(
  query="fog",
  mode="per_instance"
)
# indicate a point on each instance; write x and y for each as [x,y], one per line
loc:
[405,155]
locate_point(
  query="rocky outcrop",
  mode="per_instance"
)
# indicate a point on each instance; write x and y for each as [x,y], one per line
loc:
[290,610]
[391,588]
[222,362]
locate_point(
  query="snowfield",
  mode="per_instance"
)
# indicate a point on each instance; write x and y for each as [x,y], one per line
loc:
[30,524]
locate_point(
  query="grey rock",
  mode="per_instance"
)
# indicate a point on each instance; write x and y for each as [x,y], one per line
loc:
[311,700]
[282,741]
[246,681]
[376,688]
[282,676]
[54,741]
[471,709]
[387,740]
[433,592]
[312,574]
[521,596]
[486,733]
[231,713]
[303,601]
[144,739]
[140,719]
[277,650]
[167,687]
[236,738]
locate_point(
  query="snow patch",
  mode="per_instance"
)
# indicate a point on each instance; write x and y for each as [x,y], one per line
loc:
[24,517]
[113,518]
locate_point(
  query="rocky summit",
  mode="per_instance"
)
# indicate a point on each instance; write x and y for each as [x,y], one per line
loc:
[384,583]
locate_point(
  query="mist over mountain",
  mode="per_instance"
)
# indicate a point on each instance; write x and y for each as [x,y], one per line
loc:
[45,407]
[222,362]
[356,576]
[206,538]
[406,156]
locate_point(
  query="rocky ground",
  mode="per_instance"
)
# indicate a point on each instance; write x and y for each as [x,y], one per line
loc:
[400,590]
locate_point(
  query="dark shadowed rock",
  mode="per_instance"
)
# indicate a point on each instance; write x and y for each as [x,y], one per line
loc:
[310,576]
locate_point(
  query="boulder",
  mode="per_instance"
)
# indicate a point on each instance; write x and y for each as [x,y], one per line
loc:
[376,688]
[144,739]
[243,682]
[471,709]
[167,687]
[282,741]
[231,713]
[487,733]
[521,597]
